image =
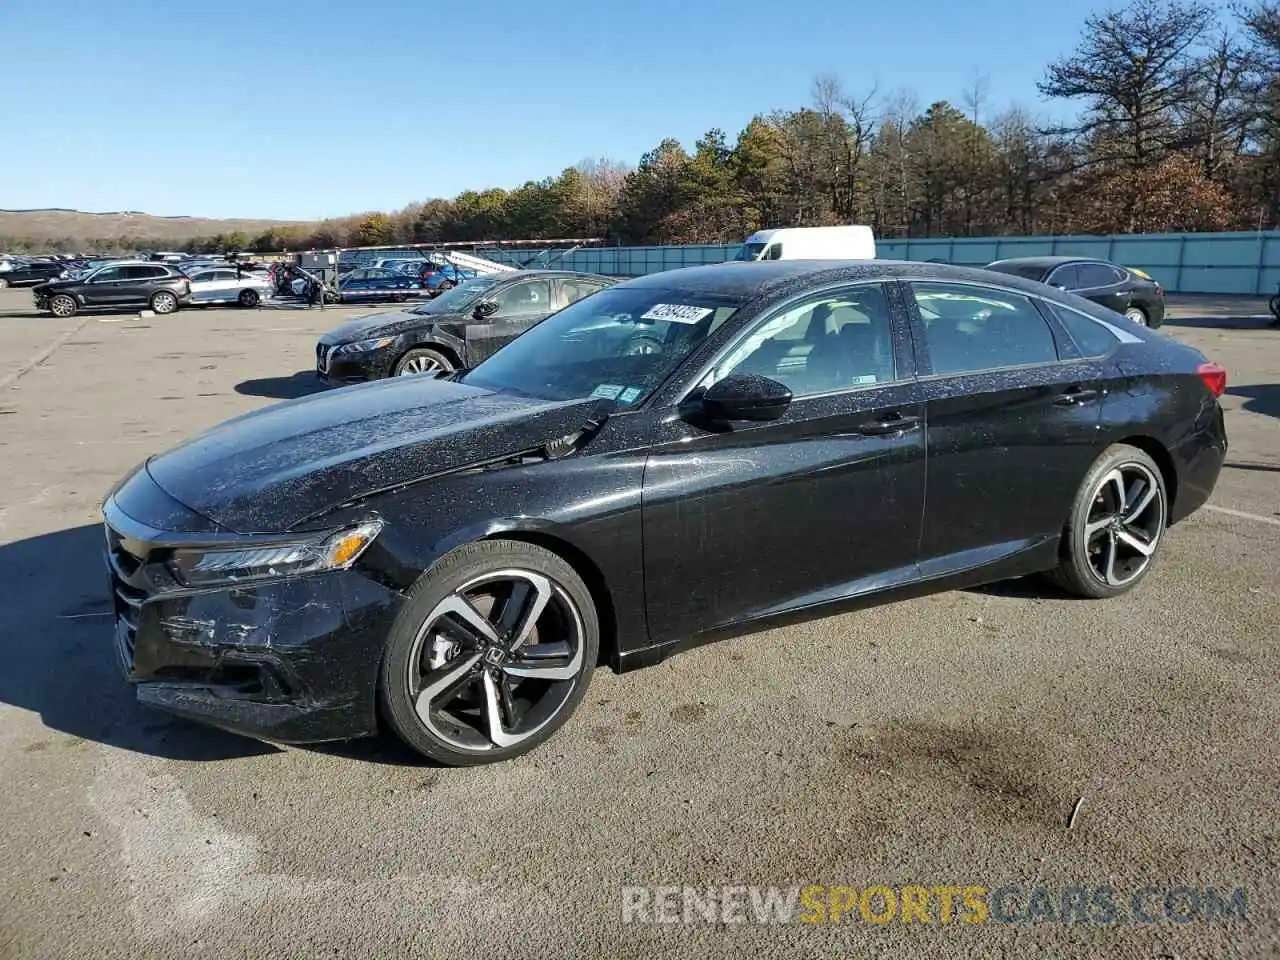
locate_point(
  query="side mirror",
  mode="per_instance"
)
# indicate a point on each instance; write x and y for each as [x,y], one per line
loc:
[742,396]
[485,308]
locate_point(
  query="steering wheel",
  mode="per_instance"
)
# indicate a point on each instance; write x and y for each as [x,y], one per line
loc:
[642,345]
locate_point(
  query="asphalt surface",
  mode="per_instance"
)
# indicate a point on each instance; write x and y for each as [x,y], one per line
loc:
[935,742]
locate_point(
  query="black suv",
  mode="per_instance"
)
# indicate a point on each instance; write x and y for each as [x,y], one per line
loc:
[33,271]
[155,285]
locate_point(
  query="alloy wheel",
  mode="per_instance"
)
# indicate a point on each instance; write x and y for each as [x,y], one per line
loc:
[62,306]
[1124,525]
[496,660]
[420,364]
[164,303]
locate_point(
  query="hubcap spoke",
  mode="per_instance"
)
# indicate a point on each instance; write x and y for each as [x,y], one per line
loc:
[475,621]
[1091,529]
[497,732]
[1137,542]
[1115,480]
[532,602]
[450,677]
[1113,549]
[530,666]
[1134,511]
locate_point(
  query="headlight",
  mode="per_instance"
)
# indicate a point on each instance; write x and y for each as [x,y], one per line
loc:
[315,554]
[366,346]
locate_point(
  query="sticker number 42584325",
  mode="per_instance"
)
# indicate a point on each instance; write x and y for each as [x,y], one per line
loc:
[677,312]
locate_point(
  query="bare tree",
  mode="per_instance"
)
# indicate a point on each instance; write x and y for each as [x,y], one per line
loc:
[1135,69]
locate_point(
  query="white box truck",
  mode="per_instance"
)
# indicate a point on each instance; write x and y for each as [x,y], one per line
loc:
[810,243]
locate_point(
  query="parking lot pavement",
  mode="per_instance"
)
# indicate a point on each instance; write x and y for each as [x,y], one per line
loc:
[943,741]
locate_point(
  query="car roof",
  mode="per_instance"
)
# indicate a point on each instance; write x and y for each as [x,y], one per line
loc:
[1047,262]
[744,280]
[550,274]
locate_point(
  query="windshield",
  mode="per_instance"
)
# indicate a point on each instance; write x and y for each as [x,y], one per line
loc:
[459,298]
[751,251]
[1029,271]
[618,344]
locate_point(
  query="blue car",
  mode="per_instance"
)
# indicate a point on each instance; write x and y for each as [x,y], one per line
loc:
[376,283]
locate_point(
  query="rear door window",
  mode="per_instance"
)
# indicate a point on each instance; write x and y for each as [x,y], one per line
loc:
[971,328]
[1093,275]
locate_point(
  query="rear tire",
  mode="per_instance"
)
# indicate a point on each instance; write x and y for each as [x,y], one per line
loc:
[248,299]
[423,361]
[163,303]
[1138,316]
[63,305]
[1116,526]
[456,684]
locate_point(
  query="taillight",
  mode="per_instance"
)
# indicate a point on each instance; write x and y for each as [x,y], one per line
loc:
[1214,377]
[1159,291]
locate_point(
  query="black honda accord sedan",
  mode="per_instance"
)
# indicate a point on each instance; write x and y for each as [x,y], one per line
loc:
[674,459]
[459,328]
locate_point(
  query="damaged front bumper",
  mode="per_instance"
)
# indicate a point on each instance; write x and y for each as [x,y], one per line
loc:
[292,660]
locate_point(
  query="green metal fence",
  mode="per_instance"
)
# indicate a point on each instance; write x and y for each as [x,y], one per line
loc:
[1225,263]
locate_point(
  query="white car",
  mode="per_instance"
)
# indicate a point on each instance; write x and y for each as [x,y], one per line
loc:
[228,285]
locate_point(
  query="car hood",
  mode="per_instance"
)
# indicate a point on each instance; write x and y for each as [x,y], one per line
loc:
[387,323]
[267,471]
[56,284]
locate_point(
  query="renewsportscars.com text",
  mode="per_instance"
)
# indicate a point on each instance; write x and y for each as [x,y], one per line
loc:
[943,904]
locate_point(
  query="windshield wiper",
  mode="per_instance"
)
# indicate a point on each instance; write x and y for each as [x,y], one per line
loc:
[562,447]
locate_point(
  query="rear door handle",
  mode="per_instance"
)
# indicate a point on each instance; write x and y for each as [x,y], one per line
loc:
[1074,395]
[889,425]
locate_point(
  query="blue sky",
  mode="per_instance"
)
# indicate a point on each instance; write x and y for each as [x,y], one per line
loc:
[301,110]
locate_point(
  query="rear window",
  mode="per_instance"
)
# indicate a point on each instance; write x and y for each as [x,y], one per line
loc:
[1093,339]
[1028,271]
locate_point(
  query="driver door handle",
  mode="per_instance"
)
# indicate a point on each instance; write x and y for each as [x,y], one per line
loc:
[1074,395]
[893,423]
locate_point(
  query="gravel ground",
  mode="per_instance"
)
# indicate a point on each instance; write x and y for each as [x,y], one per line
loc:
[936,742]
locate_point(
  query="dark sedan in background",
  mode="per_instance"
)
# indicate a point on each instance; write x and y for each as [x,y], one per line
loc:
[1123,289]
[453,555]
[459,328]
[376,283]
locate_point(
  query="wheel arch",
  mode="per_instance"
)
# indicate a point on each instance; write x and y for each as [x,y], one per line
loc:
[1158,452]
[436,345]
[584,567]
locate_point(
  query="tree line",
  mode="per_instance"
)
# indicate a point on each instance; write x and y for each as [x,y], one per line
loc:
[1176,126]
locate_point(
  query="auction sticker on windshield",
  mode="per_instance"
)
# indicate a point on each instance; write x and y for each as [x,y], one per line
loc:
[606,391]
[677,312]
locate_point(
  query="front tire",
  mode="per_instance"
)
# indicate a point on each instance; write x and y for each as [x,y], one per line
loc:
[423,361]
[163,303]
[3,283]
[1116,527]
[490,655]
[248,299]
[63,305]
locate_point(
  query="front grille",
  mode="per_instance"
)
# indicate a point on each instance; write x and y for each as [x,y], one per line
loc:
[128,592]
